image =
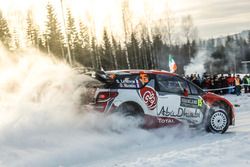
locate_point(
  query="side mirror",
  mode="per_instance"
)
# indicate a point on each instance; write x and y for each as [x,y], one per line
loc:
[185,92]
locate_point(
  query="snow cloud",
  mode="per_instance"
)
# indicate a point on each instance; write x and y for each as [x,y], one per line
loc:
[42,121]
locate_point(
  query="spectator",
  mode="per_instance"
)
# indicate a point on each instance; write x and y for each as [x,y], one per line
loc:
[238,85]
[245,82]
[210,82]
[206,83]
[224,84]
[217,84]
[230,82]
[248,82]
[196,81]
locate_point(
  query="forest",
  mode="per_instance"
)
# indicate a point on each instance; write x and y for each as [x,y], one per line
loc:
[143,46]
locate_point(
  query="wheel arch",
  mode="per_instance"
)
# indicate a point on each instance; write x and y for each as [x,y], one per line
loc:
[137,106]
[227,108]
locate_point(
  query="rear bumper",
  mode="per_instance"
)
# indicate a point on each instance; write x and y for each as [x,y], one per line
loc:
[104,106]
[100,107]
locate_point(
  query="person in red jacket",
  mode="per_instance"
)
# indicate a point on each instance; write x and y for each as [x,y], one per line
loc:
[230,82]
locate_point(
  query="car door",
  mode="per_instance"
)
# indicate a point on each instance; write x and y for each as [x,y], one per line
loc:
[173,104]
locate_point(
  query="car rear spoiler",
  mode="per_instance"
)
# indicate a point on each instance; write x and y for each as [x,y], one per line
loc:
[104,77]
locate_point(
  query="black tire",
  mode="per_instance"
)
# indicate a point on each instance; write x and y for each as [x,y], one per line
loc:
[217,121]
[131,110]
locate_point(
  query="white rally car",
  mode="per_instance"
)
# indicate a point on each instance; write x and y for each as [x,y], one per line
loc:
[162,99]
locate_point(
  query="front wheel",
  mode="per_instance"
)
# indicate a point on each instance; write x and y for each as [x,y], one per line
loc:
[217,121]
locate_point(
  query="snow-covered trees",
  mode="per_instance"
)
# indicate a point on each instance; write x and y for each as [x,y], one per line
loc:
[5,36]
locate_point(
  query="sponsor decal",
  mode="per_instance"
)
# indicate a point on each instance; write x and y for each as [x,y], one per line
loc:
[191,103]
[166,120]
[182,112]
[144,78]
[127,83]
[149,97]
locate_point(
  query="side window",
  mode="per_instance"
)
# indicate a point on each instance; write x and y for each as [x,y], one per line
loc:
[194,90]
[171,84]
[184,84]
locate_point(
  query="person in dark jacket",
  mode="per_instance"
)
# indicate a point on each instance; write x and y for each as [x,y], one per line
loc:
[224,84]
[238,83]
[217,84]
[248,83]
[245,83]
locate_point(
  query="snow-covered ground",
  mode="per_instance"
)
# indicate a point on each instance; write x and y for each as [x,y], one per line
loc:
[192,148]
[43,124]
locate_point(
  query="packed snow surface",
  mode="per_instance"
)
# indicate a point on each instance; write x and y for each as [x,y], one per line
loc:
[42,123]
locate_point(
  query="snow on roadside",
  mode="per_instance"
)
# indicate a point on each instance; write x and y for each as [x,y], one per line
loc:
[230,149]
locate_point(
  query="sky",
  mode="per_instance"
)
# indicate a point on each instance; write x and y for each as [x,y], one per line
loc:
[218,17]
[213,18]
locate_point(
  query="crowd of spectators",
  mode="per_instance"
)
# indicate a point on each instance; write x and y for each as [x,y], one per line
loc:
[221,83]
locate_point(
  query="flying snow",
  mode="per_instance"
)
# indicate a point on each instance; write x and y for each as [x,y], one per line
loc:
[43,121]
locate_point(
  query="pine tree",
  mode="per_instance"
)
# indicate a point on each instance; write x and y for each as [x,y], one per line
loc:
[86,44]
[5,36]
[84,35]
[248,38]
[121,57]
[71,34]
[114,51]
[95,55]
[134,51]
[157,49]
[193,48]
[31,31]
[229,41]
[151,64]
[53,35]
[144,53]
[107,58]
[41,43]
[218,58]
[82,48]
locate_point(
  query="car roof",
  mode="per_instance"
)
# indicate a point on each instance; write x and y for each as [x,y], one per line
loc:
[139,71]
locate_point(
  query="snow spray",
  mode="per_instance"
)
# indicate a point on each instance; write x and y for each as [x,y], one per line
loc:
[43,121]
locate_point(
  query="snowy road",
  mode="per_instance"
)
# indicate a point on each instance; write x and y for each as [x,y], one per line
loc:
[194,148]
[91,140]
[42,124]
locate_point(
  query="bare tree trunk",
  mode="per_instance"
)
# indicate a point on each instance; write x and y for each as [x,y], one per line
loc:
[135,56]
[124,15]
[99,59]
[151,56]
[115,60]
[144,53]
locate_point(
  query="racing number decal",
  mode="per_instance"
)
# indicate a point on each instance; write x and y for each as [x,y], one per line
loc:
[200,102]
[144,78]
[149,97]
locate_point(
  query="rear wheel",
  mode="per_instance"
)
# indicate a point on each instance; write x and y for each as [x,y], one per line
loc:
[132,111]
[217,121]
